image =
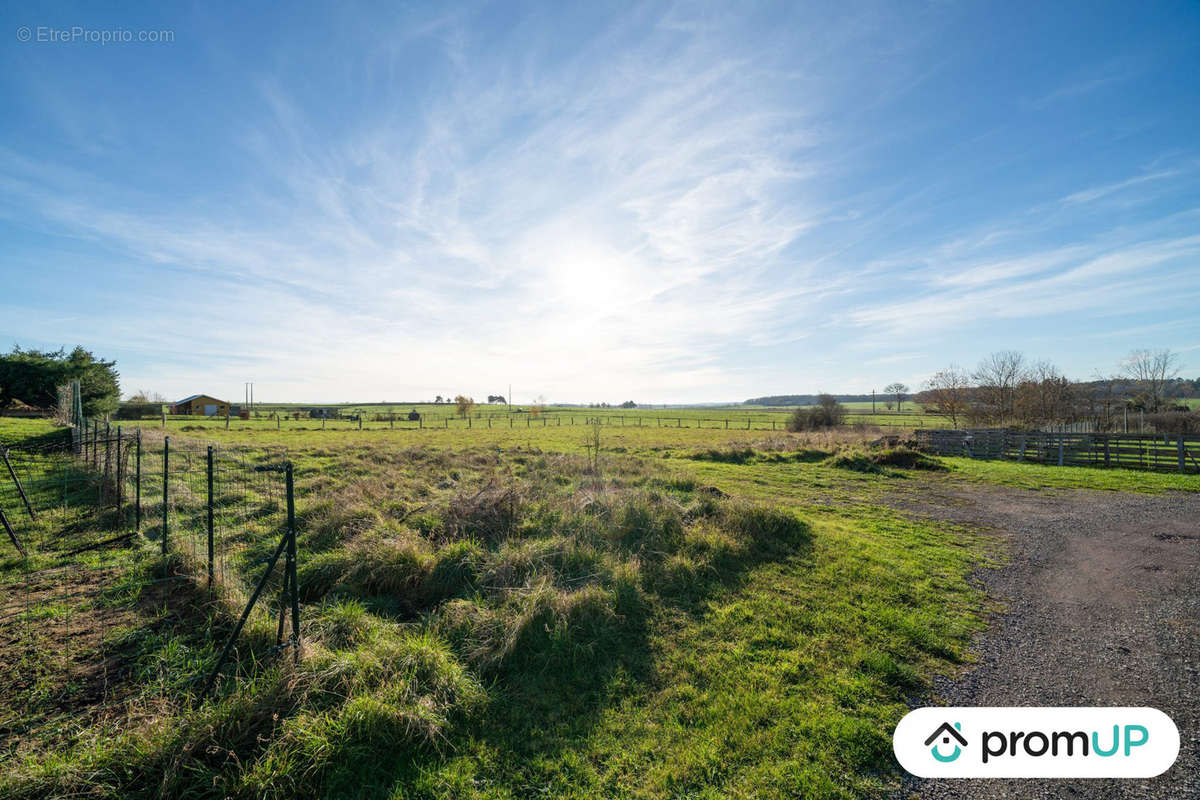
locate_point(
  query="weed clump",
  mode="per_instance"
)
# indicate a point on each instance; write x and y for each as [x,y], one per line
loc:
[876,462]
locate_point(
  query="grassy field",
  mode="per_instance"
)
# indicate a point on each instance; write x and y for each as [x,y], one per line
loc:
[500,613]
[395,417]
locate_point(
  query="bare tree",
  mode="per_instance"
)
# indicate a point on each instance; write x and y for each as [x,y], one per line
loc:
[1152,371]
[897,390]
[997,377]
[1104,398]
[144,396]
[950,392]
[1045,395]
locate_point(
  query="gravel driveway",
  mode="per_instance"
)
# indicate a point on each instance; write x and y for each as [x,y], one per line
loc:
[1102,607]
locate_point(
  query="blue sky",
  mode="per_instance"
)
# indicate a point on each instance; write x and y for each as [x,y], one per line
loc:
[664,202]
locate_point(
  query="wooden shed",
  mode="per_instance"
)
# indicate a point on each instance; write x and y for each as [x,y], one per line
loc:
[201,405]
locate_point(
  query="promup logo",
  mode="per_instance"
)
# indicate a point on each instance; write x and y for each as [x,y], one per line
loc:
[1036,742]
[946,732]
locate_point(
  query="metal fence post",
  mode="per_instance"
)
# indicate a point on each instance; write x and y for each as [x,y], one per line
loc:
[291,564]
[20,489]
[210,518]
[137,509]
[120,482]
[166,461]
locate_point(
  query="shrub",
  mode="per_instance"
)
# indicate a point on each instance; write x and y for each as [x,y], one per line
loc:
[875,462]
[827,413]
[489,515]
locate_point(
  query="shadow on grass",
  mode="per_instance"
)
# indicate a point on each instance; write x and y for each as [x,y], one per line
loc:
[549,696]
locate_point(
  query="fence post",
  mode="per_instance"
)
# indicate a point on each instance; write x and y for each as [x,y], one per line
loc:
[1021,455]
[1060,449]
[211,559]
[120,483]
[1107,439]
[107,460]
[166,461]
[95,444]
[237,629]
[137,509]
[17,481]
[1179,448]
[291,564]
[12,535]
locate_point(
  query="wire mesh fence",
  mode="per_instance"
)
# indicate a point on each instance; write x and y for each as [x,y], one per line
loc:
[124,560]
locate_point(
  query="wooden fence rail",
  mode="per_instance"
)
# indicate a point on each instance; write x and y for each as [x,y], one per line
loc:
[1162,452]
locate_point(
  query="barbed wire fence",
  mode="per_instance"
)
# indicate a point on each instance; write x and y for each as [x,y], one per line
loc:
[116,546]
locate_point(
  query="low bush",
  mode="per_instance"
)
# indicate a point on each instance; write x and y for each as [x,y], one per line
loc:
[876,462]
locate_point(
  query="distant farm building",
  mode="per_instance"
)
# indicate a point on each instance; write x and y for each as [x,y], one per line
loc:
[201,405]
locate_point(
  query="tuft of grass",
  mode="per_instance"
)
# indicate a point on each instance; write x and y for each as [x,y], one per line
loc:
[876,462]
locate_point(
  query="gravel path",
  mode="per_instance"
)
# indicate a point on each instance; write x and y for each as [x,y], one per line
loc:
[1102,607]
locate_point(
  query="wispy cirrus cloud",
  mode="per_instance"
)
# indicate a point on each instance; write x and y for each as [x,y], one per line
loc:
[672,202]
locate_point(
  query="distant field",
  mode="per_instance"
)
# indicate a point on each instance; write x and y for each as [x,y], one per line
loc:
[395,417]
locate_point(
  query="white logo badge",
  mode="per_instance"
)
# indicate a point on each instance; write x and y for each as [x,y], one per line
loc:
[1034,742]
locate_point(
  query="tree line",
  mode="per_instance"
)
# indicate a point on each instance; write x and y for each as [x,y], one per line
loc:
[1007,388]
[34,377]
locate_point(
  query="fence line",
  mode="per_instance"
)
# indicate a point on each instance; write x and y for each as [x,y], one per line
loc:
[104,531]
[1159,452]
[400,422]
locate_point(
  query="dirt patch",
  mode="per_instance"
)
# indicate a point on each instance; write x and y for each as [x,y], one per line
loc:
[1101,594]
[62,665]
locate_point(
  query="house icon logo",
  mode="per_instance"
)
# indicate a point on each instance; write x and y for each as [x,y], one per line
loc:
[945,731]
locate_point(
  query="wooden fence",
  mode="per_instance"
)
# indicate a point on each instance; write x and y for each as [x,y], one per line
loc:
[1163,452]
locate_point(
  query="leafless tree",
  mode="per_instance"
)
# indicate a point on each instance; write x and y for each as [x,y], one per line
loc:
[897,390]
[997,378]
[1152,370]
[1104,398]
[950,392]
[1045,395]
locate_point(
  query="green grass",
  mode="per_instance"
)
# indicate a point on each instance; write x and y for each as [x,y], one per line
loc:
[1039,476]
[715,614]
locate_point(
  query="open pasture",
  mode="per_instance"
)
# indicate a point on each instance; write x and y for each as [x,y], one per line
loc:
[504,612]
